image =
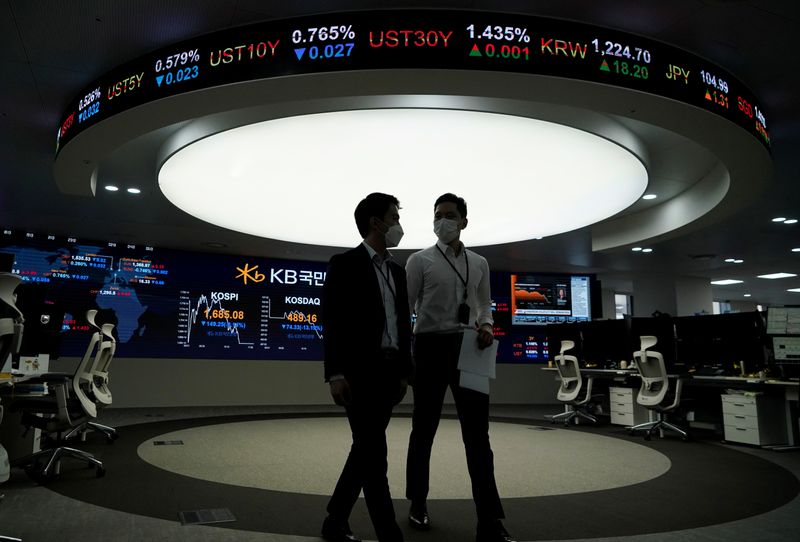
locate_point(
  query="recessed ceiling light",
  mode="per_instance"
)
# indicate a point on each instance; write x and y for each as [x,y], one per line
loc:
[796,249]
[649,196]
[111,188]
[779,219]
[265,164]
[730,260]
[790,221]
[738,261]
[134,191]
[636,249]
[647,250]
[725,282]
[747,295]
[777,276]
[793,290]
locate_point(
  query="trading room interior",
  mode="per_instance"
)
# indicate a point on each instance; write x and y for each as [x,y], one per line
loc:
[177,177]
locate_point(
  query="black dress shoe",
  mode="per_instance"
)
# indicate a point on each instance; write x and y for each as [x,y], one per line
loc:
[337,531]
[492,532]
[418,517]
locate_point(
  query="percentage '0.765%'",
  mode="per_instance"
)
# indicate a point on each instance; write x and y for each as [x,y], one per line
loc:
[323,33]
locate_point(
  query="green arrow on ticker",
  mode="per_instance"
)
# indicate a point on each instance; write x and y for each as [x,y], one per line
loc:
[604,67]
[475,51]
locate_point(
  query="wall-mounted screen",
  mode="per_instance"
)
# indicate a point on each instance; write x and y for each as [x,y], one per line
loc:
[176,304]
[461,40]
[548,299]
[181,304]
[523,334]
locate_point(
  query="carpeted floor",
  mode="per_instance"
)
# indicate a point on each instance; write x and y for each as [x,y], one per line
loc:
[558,484]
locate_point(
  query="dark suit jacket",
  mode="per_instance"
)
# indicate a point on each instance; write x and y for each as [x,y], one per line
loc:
[354,317]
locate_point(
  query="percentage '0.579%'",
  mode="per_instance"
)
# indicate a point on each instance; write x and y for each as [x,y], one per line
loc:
[179,59]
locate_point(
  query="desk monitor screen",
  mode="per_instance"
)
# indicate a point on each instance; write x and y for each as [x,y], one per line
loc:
[607,342]
[6,262]
[783,321]
[786,349]
[565,332]
[724,344]
[545,299]
[43,321]
[663,329]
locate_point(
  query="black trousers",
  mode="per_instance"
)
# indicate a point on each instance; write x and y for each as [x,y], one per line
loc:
[366,466]
[436,358]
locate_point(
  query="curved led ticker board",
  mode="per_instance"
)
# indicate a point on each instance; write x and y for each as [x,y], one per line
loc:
[417,39]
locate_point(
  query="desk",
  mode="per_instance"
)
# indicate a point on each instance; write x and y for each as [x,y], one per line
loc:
[788,389]
[11,428]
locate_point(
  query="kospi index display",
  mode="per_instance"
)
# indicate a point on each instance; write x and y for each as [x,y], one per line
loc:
[435,39]
[176,304]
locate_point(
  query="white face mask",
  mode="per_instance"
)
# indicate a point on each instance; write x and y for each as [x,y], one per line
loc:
[446,229]
[393,235]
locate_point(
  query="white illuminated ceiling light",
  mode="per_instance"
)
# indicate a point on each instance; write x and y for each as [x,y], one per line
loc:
[774,276]
[726,282]
[299,178]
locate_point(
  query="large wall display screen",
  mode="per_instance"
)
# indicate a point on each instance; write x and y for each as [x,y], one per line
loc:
[180,304]
[176,304]
[390,39]
[525,303]
[546,299]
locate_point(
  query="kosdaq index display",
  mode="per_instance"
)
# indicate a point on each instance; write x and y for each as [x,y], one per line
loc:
[421,39]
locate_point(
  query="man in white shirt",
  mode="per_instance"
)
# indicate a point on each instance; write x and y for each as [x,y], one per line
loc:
[448,288]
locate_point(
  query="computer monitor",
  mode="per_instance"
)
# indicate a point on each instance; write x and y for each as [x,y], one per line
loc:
[564,332]
[743,344]
[43,321]
[663,329]
[6,262]
[541,299]
[722,344]
[607,342]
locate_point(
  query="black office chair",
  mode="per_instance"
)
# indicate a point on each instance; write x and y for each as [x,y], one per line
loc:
[575,391]
[655,392]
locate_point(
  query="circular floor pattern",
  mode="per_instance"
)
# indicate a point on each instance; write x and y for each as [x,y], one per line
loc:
[705,483]
[305,455]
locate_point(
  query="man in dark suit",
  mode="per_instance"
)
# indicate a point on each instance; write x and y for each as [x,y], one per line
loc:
[367,342]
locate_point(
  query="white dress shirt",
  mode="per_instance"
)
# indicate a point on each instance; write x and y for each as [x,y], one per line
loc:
[435,290]
[391,337]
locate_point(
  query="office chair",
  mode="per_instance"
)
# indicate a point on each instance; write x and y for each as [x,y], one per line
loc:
[57,414]
[93,378]
[655,393]
[572,384]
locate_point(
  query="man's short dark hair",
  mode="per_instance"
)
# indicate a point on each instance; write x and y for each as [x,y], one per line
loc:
[377,205]
[461,205]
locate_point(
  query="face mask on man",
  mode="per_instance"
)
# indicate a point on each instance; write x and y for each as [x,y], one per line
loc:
[393,235]
[446,229]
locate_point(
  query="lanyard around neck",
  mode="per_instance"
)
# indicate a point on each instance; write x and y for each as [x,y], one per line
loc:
[466,262]
[386,278]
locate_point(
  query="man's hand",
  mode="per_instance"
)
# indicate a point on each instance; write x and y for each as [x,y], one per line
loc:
[485,336]
[340,391]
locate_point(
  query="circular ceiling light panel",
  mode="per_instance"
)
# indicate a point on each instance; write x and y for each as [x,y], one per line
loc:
[299,178]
